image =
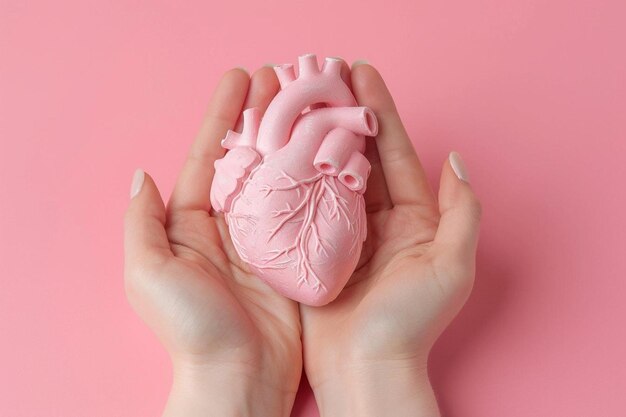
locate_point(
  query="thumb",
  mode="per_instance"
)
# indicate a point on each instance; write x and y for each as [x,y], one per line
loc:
[145,239]
[460,210]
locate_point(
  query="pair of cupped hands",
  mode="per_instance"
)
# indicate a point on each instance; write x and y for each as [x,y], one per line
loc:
[237,347]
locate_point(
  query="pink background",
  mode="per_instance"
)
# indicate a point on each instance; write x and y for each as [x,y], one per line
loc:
[532,93]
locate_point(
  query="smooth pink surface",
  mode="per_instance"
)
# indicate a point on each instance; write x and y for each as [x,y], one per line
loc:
[532,94]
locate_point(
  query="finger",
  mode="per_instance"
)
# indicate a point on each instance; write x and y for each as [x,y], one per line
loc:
[457,234]
[404,175]
[145,239]
[345,72]
[192,187]
[376,194]
[264,86]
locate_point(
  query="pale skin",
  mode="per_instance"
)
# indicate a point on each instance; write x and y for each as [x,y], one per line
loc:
[237,346]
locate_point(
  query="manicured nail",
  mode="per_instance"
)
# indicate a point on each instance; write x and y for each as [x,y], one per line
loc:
[359,62]
[137,183]
[458,166]
[270,65]
[245,69]
[336,57]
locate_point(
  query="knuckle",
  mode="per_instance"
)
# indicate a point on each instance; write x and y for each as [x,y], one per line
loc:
[265,88]
[475,209]
[179,223]
[393,155]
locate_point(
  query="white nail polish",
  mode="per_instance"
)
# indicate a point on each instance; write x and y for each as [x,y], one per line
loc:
[137,182]
[458,166]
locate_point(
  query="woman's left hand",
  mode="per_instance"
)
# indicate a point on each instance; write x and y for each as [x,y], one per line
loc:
[234,342]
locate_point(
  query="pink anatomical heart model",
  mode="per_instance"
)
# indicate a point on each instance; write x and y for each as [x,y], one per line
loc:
[291,185]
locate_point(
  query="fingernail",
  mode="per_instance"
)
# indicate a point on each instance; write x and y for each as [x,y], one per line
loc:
[244,69]
[458,166]
[336,57]
[137,182]
[359,62]
[269,64]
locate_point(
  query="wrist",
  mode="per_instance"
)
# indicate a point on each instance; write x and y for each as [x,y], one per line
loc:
[394,387]
[225,390]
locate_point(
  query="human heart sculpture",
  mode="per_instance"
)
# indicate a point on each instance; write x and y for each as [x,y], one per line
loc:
[291,183]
